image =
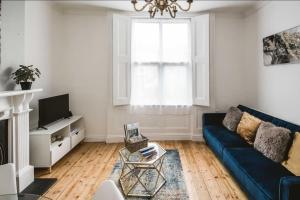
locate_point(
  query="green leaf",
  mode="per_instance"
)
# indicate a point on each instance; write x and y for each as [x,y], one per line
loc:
[25,73]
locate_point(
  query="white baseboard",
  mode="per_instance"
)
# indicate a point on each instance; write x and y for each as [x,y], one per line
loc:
[198,138]
[114,138]
[117,138]
[169,136]
[158,137]
[95,138]
[25,177]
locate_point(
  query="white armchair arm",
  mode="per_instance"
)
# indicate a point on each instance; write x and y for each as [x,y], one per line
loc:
[108,190]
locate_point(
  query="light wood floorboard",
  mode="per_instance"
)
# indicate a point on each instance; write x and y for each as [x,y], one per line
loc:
[81,171]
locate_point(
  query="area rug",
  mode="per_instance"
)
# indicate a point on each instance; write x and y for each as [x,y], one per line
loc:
[174,188]
[39,186]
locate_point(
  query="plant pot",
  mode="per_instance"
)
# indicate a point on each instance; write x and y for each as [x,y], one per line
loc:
[26,85]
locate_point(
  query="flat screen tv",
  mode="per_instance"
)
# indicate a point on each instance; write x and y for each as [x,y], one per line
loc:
[52,109]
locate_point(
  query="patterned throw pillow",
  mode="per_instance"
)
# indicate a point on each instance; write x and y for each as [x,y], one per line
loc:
[272,141]
[232,118]
[293,161]
[248,126]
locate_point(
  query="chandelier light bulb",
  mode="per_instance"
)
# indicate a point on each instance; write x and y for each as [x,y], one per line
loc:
[170,6]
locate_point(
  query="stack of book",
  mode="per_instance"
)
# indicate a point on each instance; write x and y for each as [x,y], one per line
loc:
[148,151]
[75,131]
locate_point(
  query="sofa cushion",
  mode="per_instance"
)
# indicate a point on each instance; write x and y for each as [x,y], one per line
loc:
[232,118]
[268,118]
[272,141]
[260,115]
[257,174]
[248,126]
[218,137]
[293,161]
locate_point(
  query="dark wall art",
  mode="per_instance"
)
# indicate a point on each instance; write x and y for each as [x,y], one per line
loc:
[283,47]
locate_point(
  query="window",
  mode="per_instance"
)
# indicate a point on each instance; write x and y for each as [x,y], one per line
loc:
[152,61]
[161,72]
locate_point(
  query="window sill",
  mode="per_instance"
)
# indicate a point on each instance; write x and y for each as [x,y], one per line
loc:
[159,109]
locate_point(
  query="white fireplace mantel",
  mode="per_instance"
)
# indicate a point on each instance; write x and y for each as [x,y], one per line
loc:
[14,106]
[18,92]
[13,102]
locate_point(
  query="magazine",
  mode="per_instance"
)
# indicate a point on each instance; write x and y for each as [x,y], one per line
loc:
[132,132]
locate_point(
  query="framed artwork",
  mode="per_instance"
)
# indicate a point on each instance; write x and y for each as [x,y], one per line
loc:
[0,30]
[131,131]
[283,47]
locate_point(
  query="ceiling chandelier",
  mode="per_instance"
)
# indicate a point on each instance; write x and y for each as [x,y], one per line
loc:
[155,6]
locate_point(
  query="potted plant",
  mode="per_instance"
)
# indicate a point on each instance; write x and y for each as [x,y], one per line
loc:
[25,75]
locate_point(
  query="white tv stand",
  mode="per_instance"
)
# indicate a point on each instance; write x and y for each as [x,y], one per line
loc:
[44,153]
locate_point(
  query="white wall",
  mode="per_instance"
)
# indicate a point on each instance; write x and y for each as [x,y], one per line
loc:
[83,71]
[229,59]
[12,40]
[86,73]
[225,79]
[31,34]
[73,49]
[43,40]
[273,89]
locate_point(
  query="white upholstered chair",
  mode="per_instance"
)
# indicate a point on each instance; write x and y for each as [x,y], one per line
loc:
[8,179]
[108,190]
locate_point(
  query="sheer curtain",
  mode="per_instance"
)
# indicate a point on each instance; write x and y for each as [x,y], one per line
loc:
[161,63]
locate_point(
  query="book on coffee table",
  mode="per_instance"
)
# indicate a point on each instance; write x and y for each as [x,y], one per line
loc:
[143,150]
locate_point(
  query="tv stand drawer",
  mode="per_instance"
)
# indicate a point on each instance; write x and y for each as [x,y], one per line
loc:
[60,149]
[77,137]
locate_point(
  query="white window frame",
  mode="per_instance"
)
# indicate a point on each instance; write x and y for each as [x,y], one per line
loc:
[201,32]
[161,64]
[121,60]
[201,28]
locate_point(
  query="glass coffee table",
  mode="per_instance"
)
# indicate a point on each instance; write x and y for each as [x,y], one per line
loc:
[141,176]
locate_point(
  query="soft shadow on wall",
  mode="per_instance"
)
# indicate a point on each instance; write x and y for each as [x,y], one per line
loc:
[5,79]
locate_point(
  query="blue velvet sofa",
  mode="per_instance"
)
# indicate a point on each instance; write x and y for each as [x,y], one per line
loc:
[258,176]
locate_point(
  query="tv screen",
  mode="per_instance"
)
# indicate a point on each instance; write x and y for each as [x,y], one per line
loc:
[53,108]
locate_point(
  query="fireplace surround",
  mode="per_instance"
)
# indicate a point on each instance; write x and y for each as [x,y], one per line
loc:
[14,110]
[3,142]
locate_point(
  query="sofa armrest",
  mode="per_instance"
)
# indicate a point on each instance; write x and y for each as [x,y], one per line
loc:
[289,188]
[212,118]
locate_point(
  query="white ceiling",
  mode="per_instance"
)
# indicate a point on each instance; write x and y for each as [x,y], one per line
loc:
[236,6]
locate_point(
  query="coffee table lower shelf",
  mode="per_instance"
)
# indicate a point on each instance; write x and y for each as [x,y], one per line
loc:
[138,172]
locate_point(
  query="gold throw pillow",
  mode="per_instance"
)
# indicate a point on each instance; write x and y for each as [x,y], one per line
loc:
[248,126]
[293,161]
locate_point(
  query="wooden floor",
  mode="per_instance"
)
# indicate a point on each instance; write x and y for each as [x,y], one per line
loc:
[81,171]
